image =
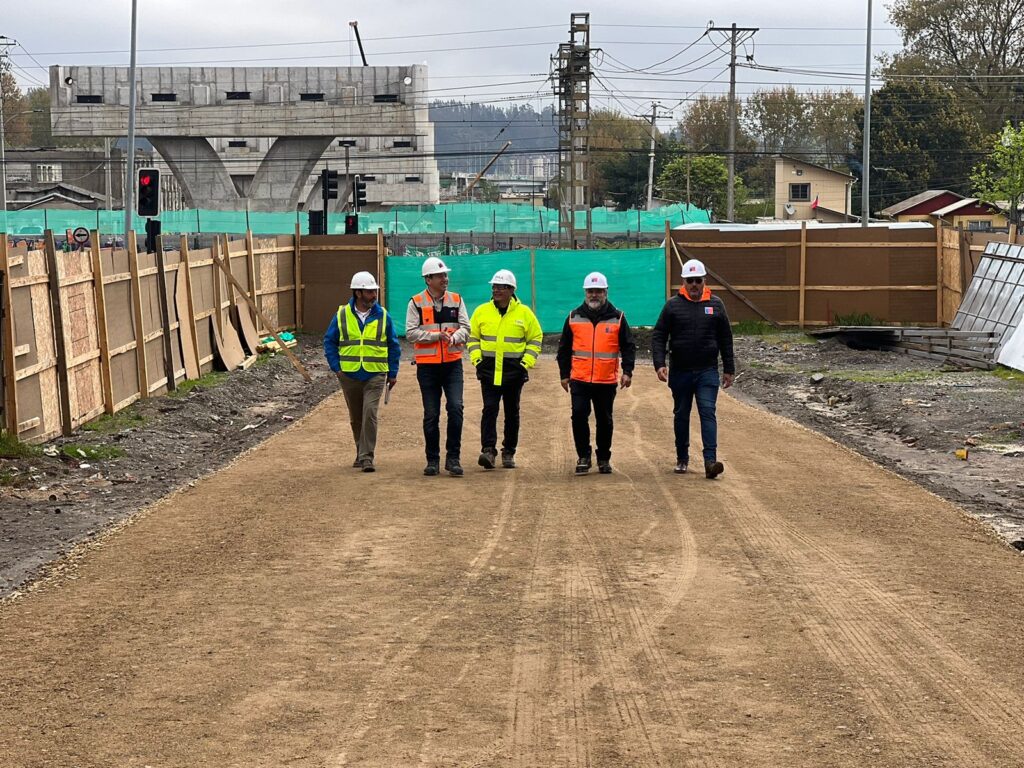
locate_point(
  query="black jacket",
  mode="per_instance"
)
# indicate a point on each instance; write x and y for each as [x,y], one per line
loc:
[695,332]
[627,347]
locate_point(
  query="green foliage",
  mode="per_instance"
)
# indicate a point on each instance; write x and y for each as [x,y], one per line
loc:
[1000,176]
[861,318]
[921,137]
[126,419]
[92,452]
[486,192]
[12,448]
[770,334]
[206,381]
[1011,375]
[708,182]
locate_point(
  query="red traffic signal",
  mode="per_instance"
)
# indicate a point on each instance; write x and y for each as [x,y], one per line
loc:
[351,224]
[148,189]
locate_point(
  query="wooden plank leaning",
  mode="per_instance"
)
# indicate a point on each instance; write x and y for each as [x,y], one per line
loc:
[140,328]
[267,324]
[60,343]
[165,314]
[724,283]
[10,365]
[100,292]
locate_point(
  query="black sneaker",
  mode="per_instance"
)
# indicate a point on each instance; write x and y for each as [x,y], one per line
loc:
[604,467]
[713,469]
[368,465]
[431,469]
[453,467]
[681,468]
[487,457]
[508,460]
[582,465]
[358,463]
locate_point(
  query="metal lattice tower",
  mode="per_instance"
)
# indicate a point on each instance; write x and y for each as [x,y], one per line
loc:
[572,87]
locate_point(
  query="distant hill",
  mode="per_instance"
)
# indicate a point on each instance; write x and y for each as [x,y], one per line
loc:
[482,129]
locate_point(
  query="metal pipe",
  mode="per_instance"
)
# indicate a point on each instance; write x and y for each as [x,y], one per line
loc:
[129,181]
[865,198]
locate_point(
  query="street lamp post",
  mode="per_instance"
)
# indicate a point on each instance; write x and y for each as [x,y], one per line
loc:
[129,180]
[865,201]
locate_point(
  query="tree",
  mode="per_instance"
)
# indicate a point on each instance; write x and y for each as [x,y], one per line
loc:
[922,137]
[486,191]
[778,121]
[708,185]
[16,126]
[975,42]
[833,120]
[1000,176]
[614,140]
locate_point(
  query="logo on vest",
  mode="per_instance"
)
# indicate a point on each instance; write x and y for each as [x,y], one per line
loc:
[709,310]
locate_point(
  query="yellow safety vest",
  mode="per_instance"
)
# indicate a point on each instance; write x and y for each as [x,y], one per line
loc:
[514,336]
[365,350]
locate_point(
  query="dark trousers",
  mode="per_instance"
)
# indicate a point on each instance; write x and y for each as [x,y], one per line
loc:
[686,387]
[508,394]
[435,379]
[602,396]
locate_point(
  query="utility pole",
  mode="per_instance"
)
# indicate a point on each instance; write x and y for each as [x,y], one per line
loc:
[733,32]
[572,68]
[5,45]
[650,158]
[108,180]
[865,198]
[129,174]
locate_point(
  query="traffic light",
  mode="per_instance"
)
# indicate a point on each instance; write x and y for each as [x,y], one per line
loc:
[153,227]
[329,179]
[351,223]
[359,196]
[316,223]
[148,190]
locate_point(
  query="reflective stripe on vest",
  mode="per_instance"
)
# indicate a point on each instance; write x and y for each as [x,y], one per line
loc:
[595,350]
[432,352]
[365,350]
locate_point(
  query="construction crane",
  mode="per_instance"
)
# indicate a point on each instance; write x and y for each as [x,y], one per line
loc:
[359,42]
[469,187]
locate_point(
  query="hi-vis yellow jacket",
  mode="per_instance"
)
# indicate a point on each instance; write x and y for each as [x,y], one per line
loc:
[503,347]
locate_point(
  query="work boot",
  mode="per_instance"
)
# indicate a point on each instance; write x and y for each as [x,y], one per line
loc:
[713,469]
[681,468]
[431,469]
[604,466]
[508,460]
[358,463]
[368,465]
[582,465]
[453,467]
[487,457]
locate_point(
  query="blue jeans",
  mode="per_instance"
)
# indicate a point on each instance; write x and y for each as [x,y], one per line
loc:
[702,385]
[434,379]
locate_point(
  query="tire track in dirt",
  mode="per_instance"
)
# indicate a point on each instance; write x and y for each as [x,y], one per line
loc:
[876,640]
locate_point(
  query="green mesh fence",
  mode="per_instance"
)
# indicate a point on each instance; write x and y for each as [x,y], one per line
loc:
[427,219]
[636,280]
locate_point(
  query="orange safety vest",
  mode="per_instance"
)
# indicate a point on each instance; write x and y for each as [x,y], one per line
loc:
[595,350]
[431,352]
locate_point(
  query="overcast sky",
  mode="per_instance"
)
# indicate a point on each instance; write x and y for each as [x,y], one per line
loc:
[503,53]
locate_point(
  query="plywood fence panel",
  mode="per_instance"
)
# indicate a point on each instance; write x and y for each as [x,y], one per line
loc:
[203,302]
[81,331]
[328,263]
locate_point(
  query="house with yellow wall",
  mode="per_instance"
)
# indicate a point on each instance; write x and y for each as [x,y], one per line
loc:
[950,208]
[809,192]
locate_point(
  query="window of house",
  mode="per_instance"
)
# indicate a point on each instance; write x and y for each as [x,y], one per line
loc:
[238,95]
[45,173]
[89,98]
[385,98]
[164,96]
[311,97]
[238,143]
[799,193]
[980,224]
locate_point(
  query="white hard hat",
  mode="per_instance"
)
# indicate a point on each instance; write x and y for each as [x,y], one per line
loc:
[595,280]
[364,281]
[694,268]
[434,266]
[504,277]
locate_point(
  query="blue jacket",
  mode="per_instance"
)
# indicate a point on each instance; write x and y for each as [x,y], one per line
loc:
[333,336]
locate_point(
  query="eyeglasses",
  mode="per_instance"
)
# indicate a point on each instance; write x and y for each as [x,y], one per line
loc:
[695,279]
[499,287]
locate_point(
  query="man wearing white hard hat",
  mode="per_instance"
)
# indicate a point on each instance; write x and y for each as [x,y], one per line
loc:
[437,324]
[595,335]
[694,329]
[504,343]
[362,349]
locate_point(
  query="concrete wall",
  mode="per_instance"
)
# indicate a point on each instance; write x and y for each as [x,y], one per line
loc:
[829,186]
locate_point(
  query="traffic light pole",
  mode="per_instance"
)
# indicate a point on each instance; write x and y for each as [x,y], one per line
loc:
[129,173]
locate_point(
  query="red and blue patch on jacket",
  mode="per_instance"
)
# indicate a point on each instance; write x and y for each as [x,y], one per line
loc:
[709,310]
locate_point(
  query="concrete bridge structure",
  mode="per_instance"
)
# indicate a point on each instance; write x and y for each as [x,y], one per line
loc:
[200,119]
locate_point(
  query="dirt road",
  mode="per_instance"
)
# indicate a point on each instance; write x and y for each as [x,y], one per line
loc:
[807,609]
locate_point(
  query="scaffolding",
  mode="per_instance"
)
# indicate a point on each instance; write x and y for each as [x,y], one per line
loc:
[571,69]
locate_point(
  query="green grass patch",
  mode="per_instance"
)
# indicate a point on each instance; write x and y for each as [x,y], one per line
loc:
[1009,374]
[770,333]
[12,448]
[861,318]
[7,478]
[887,377]
[127,419]
[206,381]
[92,452]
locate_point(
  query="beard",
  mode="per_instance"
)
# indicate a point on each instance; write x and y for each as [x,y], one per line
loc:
[595,303]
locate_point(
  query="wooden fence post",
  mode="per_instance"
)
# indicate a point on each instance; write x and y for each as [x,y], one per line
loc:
[938,274]
[218,299]
[533,280]
[100,292]
[380,260]
[140,329]
[191,302]
[60,344]
[668,260]
[10,366]
[298,278]
[250,268]
[803,272]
